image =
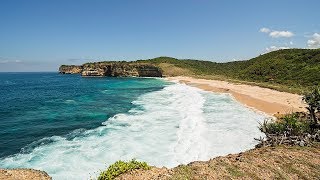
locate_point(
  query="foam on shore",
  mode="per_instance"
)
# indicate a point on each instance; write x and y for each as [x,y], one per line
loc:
[175,125]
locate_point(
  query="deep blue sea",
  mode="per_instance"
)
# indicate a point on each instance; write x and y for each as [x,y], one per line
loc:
[73,127]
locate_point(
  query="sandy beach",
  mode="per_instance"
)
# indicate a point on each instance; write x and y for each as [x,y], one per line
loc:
[266,100]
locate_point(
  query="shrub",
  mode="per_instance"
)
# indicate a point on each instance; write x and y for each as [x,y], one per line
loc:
[121,167]
[289,125]
[292,129]
[313,101]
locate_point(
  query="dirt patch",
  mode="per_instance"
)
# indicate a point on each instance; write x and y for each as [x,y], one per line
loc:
[25,174]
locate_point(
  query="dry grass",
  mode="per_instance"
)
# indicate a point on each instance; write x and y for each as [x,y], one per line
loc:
[170,70]
[282,162]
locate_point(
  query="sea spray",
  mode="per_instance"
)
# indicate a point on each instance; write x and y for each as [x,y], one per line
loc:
[191,143]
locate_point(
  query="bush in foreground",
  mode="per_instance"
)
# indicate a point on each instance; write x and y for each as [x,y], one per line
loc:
[121,167]
[296,128]
[288,125]
[292,129]
[313,101]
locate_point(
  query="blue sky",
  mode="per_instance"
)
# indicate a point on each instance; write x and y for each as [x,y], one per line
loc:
[39,35]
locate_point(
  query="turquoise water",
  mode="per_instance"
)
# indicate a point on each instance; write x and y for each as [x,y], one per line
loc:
[73,127]
[38,105]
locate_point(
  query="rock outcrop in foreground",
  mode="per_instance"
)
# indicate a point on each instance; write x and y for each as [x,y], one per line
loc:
[25,174]
[113,69]
[282,162]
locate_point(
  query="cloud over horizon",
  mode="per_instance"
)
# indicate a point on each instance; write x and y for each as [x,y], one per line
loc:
[314,42]
[276,33]
[275,48]
[6,61]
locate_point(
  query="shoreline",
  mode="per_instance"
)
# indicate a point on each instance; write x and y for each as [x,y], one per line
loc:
[268,101]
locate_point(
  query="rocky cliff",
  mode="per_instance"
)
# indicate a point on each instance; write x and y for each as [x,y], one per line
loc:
[113,69]
[70,69]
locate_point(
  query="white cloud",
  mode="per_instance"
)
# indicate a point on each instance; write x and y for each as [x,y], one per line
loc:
[314,42]
[291,43]
[265,30]
[277,34]
[6,61]
[275,48]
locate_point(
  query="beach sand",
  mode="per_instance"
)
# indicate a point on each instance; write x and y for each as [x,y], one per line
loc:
[269,101]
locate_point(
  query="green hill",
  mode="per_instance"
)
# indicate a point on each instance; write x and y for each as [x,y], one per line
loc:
[293,70]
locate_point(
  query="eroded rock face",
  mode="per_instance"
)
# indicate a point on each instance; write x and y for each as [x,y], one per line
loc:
[70,69]
[114,69]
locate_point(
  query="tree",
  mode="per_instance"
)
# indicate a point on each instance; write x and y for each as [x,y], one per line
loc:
[313,101]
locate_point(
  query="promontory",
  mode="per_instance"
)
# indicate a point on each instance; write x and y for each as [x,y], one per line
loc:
[113,69]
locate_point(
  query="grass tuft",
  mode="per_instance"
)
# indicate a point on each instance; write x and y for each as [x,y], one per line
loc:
[121,167]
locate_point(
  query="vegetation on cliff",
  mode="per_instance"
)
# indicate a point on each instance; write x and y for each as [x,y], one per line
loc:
[121,167]
[296,128]
[291,129]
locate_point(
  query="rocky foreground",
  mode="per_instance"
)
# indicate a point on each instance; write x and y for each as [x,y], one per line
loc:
[23,174]
[282,162]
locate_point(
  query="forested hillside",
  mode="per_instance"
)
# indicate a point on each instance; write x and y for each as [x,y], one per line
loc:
[290,68]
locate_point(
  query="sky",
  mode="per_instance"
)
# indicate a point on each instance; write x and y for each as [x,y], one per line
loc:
[40,35]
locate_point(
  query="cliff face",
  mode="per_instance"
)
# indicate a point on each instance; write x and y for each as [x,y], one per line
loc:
[114,69]
[72,69]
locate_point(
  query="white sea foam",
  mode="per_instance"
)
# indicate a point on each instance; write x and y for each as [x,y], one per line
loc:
[70,101]
[175,125]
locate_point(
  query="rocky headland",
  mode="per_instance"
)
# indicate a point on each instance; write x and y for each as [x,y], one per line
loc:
[113,69]
[70,69]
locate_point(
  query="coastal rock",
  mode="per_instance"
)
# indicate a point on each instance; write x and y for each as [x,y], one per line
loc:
[114,69]
[26,174]
[92,72]
[70,69]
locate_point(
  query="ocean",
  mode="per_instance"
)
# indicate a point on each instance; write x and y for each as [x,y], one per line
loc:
[74,127]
